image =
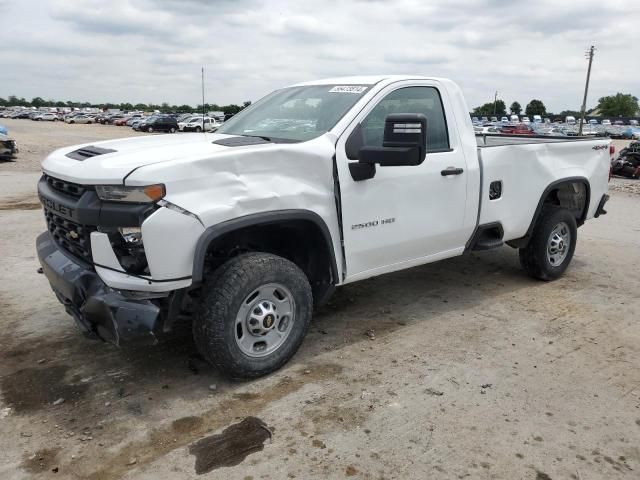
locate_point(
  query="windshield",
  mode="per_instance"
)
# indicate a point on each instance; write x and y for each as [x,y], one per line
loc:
[295,114]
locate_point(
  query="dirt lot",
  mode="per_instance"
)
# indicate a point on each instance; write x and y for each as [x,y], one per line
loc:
[461,369]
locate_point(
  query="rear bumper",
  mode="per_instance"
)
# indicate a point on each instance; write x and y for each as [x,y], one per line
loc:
[98,310]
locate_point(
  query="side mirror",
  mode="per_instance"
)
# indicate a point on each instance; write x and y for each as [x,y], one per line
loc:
[404,142]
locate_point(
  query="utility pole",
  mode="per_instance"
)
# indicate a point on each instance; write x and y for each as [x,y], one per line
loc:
[495,100]
[586,89]
[203,108]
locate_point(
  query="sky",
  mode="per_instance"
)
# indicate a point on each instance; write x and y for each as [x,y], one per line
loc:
[152,51]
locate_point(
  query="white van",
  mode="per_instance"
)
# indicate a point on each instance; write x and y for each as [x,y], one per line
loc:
[570,120]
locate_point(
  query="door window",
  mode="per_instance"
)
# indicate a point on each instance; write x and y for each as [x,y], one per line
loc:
[424,100]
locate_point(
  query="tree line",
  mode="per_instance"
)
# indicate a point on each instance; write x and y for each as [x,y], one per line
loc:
[39,102]
[618,105]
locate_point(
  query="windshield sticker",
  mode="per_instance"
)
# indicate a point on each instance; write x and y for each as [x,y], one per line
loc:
[357,89]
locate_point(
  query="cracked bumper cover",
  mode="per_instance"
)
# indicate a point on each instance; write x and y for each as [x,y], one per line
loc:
[98,310]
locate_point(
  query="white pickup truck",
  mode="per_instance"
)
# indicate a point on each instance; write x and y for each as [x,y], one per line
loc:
[243,232]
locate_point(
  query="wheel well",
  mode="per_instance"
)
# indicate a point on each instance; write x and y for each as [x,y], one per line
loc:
[573,194]
[301,241]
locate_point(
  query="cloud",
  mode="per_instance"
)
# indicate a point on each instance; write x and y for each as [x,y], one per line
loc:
[152,50]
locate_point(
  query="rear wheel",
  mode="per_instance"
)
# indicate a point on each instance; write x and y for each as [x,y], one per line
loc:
[150,129]
[198,129]
[255,312]
[552,244]
[172,130]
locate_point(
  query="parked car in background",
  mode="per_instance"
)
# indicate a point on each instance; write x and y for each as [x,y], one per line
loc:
[593,121]
[161,124]
[80,119]
[504,119]
[3,130]
[537,119]
[7,147]
[494,119]
[633,123]
[606,121]
[570,120]
[526,120]
[484,119]
[197,125]
[618,122]
[518,129]
[514,118]
[187,120]
[49,117]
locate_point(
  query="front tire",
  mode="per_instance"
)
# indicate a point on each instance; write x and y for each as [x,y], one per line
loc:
[172,130]
[150,129]
[552,244]
[254,314]
[198,129]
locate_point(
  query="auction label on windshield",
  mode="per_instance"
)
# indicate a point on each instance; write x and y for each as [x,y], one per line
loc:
[348,89]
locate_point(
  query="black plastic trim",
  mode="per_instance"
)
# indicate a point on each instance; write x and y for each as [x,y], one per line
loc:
[215,231]
[600,210]
[150,280]
[476,241]
[523,241]
[88,152]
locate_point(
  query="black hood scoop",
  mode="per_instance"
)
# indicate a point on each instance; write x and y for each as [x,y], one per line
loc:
[241,141]
[88,152]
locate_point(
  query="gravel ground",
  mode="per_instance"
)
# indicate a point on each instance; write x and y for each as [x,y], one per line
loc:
[461,369]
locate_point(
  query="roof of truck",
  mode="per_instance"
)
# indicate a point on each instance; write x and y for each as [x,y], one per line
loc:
[362,80]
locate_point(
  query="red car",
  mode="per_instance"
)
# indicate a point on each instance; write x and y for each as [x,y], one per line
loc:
[121,121]
[519,129]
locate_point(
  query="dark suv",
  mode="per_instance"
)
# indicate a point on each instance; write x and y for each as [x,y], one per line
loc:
[160,124]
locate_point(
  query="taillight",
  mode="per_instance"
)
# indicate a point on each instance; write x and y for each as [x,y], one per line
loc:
[612,150]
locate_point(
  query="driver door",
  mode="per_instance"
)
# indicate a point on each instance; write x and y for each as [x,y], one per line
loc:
[404,215]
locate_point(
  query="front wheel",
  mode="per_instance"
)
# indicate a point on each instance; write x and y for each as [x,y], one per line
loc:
[552,244]
[172,130]
[254,315]
[150,129]
[198,129]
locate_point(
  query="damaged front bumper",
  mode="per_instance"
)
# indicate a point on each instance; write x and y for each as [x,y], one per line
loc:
[98,310]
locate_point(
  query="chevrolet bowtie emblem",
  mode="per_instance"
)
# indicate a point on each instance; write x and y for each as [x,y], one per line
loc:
[73,234]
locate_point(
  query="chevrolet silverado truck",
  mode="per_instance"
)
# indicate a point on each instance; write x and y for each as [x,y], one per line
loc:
[243,232]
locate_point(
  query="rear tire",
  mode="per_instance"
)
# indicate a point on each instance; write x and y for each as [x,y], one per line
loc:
[254,314]
[550,249]
[198,129]
[150,129]
[172,130]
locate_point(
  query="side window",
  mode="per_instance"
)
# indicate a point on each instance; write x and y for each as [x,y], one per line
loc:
[425,100]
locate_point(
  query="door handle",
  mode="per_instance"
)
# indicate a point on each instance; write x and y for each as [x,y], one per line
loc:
[451,171]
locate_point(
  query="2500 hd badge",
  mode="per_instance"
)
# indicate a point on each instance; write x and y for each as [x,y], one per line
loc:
[373,223]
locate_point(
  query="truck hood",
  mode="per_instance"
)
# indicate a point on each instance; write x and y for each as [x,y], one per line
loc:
[109,162]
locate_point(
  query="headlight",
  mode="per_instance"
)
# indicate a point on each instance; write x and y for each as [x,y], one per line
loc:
[131,235]
[121,193]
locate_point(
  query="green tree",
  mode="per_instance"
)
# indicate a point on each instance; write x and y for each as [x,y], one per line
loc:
[38,102]
[487,110]
[535,107]
[516,108]
[618,105]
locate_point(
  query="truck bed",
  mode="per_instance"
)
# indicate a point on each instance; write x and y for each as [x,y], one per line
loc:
[527,166]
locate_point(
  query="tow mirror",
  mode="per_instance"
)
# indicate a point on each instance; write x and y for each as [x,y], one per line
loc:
[404,143]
